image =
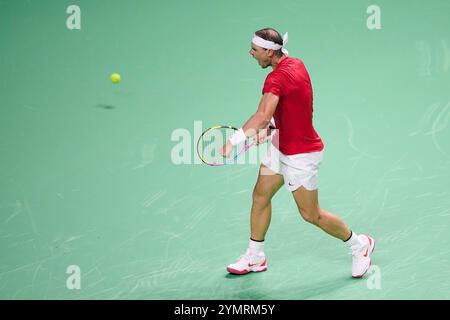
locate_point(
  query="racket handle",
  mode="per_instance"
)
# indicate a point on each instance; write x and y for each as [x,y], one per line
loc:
[243,150]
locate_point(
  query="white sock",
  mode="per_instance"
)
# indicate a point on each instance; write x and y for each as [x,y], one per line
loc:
[256,247]
[354,240]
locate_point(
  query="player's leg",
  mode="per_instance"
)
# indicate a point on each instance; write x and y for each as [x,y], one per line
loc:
[308,204]
[266,186]
[254,259]
[361,246]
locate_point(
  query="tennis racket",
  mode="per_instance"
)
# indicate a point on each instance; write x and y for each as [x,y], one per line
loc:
[212,139]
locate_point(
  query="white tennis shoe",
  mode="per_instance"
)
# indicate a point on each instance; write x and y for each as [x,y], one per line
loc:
[248,263]
[361,255]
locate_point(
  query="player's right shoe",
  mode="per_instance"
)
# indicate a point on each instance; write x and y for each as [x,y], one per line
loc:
[248,263]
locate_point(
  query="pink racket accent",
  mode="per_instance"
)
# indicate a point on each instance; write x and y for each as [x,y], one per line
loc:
[235,157]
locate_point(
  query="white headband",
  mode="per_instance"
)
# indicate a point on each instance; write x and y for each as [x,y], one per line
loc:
[266,44]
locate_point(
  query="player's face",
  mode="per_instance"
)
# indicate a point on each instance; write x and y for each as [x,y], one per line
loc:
[261,55]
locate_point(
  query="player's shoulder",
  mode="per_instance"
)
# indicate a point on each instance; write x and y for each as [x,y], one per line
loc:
[289,61]
[285,67]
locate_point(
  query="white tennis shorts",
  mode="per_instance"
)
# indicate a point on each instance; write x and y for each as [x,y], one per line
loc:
[297,170]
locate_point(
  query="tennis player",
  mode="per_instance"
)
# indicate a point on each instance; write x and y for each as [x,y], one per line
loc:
[293,157]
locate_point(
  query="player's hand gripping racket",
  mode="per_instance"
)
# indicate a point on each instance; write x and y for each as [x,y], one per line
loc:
[212,139]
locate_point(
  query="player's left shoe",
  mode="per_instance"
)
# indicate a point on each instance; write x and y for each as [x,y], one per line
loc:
[361,255]
[248,263]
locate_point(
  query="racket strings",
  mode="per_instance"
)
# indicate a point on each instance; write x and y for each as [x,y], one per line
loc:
[211,142]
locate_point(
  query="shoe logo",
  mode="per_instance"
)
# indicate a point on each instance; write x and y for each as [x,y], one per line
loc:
[367,250]
[366,253]
[255,264]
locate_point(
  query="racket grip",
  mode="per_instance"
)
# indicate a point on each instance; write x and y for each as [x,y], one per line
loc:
[243,150]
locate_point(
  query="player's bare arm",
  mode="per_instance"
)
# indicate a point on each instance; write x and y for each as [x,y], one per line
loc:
[259,120]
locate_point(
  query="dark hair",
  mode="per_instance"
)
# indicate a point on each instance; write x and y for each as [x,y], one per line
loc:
[273,35]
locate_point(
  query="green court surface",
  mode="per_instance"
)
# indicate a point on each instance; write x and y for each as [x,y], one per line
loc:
[88,177]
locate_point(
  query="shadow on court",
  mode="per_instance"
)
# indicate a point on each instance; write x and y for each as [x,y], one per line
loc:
[249,288]
[105,106]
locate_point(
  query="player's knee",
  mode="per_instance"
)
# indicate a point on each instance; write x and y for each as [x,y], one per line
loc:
[310,216]
[260,197]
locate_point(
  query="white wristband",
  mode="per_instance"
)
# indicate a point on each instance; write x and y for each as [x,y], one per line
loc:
[238,137]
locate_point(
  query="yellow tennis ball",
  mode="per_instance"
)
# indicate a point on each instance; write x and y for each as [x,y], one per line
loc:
[115,78]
